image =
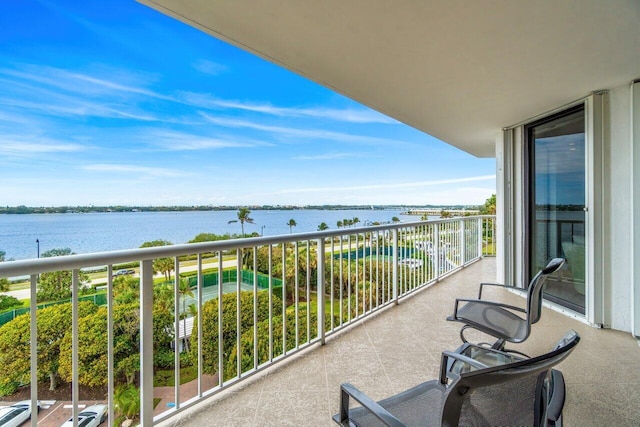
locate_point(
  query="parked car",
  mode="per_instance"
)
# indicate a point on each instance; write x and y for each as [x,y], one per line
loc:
[124,272]
[91,416]
[16,414]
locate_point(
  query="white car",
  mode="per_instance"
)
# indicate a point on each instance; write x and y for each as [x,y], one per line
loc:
[16,414]
[91,416]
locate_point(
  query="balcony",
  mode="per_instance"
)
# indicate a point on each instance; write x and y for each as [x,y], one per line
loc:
[400,347]
[387,291]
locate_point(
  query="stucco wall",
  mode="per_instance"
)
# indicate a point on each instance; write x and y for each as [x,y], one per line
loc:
[618,209]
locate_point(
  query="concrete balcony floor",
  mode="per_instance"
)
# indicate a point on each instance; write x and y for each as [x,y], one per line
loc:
[400,347]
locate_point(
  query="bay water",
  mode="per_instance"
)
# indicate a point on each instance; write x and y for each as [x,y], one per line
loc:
[99,232]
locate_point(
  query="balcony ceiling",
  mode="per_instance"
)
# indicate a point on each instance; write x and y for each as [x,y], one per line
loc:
[458,70]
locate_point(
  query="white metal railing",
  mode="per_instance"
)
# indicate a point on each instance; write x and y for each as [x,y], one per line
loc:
[256,302]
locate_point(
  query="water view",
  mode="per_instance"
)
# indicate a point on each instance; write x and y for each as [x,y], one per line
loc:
[96,232]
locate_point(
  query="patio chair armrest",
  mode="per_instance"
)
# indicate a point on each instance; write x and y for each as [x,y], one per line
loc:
[347,390]
[477,301]
[444,365]
[490,284]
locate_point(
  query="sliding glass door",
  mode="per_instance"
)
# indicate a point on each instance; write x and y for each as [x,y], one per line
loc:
[556,211]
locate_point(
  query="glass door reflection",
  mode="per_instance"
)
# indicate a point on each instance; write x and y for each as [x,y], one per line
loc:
[556,211]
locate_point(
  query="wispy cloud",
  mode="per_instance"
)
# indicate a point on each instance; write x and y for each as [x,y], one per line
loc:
[209,67]
[296,132]
[184,141]
[331,156]
[342,115]
[133,169]
[20,145]
[387,186]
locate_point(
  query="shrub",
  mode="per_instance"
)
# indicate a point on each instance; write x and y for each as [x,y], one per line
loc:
[7,302]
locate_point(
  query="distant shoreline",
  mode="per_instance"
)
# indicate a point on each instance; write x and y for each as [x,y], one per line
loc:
[24,210]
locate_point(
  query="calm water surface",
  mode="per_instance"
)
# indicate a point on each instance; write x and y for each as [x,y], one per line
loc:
[98,232]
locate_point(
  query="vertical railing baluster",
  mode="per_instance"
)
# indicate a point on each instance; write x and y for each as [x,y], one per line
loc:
[308,293]
[199,303]
[270,250]
[110,355]
[33,344]
[331,282]
[395,265]
[238,312]
[320,289]
[220,314]
[349,279]
[296,293]
[436,250]
[284,298]
[146,342]
[341,281]
[357,284]
[463,242]
[255,307]
[176,339]
[75,343]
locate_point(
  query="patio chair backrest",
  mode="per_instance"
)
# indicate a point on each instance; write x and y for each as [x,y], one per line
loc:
[534,291]
[511,394]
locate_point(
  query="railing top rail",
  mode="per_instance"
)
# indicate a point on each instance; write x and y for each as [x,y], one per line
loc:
[70,262]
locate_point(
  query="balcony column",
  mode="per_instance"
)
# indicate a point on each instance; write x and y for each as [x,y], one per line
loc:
[146,342]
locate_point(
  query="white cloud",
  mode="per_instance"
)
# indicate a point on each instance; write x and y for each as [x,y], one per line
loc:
[183,141]
[342,115]
[331,156]
[298,133]
[209,67]
[134,169]
[18,145]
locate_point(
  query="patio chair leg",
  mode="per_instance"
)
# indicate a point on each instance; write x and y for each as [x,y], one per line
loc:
[498,345]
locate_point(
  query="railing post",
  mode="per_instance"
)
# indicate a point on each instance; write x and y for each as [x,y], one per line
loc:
[480,236]
[463,244]
[436,249]
[33,338]
[146,342]
[395,265]
[75,346]
[320,290]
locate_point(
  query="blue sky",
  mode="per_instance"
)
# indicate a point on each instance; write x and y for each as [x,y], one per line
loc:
[110,103]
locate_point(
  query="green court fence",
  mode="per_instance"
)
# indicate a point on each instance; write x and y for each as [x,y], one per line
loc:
[7,316]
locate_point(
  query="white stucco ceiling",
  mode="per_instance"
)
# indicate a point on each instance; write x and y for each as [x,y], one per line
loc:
[459,70]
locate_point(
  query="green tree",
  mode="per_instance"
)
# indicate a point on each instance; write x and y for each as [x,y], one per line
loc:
[323,226]
[395,219]
[355,220]
[339,224]
[4,283]
[161,265]
[52,323]
[445,214]
[127,401]
[489,207]
[56,285]
[291,223]
[243,216]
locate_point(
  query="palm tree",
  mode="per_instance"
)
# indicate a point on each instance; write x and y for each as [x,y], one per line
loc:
[323,226]
[243,216]
[292,223]
[185,290]
[355,220]
[339,224]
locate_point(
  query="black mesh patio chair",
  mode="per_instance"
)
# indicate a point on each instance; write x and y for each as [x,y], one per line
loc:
[513,394]
[498,319]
